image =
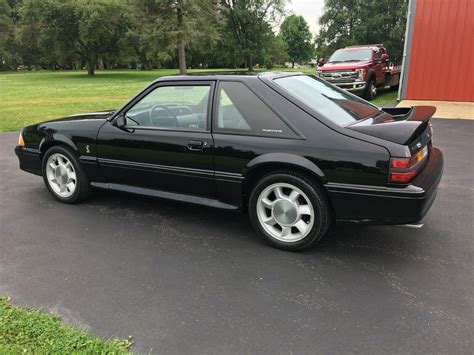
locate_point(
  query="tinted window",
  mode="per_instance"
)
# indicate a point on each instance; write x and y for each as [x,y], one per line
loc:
[333,103]
[240,111]
[173,107]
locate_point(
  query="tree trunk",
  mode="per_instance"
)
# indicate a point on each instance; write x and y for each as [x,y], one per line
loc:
[250,62]
[293,65]
[90,68]
[182,57]
[181,40]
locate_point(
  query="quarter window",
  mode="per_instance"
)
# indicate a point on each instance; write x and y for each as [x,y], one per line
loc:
[240,111]
[172,107]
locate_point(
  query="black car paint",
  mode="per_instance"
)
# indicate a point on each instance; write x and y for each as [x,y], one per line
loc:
[351,165]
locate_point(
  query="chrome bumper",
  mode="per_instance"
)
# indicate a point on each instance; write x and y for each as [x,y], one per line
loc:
[354,86]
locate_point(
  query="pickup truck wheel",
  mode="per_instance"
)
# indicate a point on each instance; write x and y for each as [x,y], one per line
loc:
[289,210]
[394,87]
[371,90]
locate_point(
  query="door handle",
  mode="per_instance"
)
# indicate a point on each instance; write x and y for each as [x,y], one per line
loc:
[196,145]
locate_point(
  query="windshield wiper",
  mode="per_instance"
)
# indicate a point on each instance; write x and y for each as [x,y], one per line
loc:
[352,60]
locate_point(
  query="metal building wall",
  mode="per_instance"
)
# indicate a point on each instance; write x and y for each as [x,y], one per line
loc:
[440,51]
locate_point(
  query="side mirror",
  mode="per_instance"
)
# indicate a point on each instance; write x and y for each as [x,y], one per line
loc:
[121,121]
[384,57]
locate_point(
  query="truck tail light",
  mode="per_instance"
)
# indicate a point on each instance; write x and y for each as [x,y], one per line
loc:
[403,170]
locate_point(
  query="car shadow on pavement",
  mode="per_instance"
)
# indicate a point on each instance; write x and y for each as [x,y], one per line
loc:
[234,230]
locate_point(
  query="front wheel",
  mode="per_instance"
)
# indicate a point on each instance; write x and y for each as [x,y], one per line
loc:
[371,90]
[64,176]
[289,211]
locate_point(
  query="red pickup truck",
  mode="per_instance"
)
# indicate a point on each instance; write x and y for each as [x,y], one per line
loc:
[361,70]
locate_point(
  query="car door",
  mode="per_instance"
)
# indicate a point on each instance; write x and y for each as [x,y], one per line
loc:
[163,141]
[378,67]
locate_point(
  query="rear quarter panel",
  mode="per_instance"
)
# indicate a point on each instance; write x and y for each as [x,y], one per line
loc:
[341,158]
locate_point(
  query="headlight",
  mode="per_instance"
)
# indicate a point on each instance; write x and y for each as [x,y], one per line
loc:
[360,74]
[21,141]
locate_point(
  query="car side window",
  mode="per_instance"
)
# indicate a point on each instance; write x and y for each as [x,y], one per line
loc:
[240,111]
[172,107]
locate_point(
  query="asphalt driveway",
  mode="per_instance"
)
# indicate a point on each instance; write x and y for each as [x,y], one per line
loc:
[182,278]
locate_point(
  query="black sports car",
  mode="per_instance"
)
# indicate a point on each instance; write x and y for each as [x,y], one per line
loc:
[295,152]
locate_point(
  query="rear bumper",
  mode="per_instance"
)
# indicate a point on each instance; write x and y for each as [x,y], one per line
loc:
[29,159]
[387,205]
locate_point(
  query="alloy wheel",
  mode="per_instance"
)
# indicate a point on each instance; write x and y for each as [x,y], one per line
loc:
[285,212]
[61,175]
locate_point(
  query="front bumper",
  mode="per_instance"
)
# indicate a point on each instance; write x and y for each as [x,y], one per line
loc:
[355,87]
[389,205]
[30,159]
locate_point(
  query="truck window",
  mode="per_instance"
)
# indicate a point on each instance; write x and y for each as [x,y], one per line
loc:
[351,55]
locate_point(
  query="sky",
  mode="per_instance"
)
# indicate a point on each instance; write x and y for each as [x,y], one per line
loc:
[309,9]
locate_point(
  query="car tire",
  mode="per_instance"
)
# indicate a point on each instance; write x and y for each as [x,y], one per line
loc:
[371,90]
[289,210]
[64,176]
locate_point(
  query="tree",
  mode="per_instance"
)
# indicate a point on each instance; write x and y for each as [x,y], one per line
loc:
[6,35]
[173,25]
[74,30]
[349,22]
[249,23]
[295,32]
[276,51]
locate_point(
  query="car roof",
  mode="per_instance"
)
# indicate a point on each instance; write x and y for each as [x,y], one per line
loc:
[363,46]
[236,75]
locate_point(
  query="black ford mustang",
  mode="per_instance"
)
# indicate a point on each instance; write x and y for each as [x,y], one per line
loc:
[294,151]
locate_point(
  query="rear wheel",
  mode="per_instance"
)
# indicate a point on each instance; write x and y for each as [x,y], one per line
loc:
[371,90]
[64,176]
[289,211]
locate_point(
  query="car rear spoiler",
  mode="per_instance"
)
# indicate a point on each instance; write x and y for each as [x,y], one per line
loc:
[402,124]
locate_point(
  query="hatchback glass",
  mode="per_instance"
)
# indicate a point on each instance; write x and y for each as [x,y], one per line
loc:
[333,103]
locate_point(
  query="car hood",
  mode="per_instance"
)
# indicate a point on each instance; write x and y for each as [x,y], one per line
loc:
[88,116]
[82,126]
[344,66]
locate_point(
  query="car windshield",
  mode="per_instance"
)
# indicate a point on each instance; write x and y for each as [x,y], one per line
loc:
[351,55]
[328,100]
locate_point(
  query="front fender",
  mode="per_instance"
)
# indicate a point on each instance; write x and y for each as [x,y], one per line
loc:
[371,74]
[287,160]
[56,138]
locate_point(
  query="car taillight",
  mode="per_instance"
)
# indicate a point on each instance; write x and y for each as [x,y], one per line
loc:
[403,170]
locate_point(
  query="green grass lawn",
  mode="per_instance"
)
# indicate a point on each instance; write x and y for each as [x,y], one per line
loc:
[30,97]
[24,330]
